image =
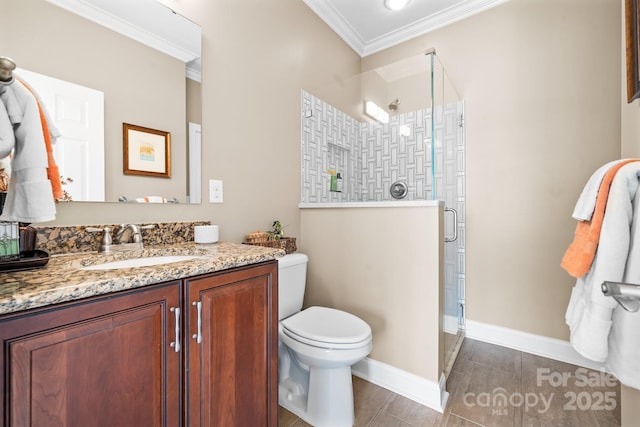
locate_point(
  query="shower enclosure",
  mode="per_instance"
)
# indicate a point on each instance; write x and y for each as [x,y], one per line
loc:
[393,134]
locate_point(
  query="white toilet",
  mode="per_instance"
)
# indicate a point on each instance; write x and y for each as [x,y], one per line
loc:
[316,349]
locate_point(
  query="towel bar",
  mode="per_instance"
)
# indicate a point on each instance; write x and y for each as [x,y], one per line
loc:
[627,294]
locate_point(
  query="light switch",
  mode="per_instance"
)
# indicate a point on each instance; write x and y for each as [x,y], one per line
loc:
[215,191]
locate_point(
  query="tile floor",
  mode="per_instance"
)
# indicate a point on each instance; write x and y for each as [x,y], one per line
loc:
[492,386]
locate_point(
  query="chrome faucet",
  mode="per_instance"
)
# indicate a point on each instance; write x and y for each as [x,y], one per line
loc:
[128,237]
[128,233]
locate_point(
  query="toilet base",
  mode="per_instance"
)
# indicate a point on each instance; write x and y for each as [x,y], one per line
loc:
[329,401]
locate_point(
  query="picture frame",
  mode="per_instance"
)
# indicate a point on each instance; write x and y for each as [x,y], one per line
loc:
[147,151]
[632,34]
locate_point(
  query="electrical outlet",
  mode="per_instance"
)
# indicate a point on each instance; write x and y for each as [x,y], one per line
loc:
[215,191]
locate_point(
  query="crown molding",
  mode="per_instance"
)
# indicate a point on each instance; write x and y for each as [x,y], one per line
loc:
[128,29]
[430,23]
[338,23]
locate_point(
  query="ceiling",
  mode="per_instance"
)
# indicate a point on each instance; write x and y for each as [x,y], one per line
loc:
[368,27]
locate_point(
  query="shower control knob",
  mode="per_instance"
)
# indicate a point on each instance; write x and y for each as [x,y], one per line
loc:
[399,190]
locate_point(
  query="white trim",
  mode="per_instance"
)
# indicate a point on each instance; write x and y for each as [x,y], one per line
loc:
[194,70]
[128,29]
[450,324]
[418,389]
[195,163]
[338,24]
[530,343]
[387,204]
[430,23]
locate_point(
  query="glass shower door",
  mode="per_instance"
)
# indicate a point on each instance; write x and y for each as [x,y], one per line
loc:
[448,172]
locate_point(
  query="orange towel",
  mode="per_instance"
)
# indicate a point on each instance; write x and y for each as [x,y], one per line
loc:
[53,173]
[579,256]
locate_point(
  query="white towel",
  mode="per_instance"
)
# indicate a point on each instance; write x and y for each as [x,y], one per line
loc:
[155,199]
[28,199]
[7,138]
[589,314]
[151,199]
[624,339]
[587,201]
[11,101]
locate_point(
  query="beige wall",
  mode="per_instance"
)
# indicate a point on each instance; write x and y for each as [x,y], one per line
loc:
[383,265]
[630,147]
[194,101]
[141,85]
[630,406]
[257,56]
[536,129]
[540,83]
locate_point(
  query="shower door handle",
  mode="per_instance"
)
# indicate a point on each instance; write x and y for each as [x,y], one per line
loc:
[455,225]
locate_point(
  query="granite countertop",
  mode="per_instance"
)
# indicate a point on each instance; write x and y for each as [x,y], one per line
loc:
[61,280]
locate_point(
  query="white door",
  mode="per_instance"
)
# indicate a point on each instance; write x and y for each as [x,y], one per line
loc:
[195,163]
[78,113]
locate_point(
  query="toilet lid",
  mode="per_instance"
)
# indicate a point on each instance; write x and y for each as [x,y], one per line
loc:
[327,325]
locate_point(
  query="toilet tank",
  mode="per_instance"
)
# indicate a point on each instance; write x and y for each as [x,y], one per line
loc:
[292,279]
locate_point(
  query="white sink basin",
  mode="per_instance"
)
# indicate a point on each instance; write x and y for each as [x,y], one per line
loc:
[140,262]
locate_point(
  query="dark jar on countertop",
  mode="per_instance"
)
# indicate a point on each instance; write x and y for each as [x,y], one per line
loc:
[27,241]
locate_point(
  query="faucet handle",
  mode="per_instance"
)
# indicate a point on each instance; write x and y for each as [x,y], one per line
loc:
[105,244]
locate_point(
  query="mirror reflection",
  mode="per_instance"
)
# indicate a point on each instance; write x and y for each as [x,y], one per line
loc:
[152,87]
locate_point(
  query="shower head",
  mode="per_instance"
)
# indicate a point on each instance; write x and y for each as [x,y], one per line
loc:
[393,106]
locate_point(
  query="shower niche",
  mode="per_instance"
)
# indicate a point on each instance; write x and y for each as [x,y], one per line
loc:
[401,122]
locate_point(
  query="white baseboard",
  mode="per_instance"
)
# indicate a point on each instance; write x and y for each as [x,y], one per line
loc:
[434,395]
[530,343]
[450,324]
[406,384]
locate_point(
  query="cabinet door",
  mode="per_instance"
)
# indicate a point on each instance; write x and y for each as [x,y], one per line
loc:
[100,362]
[231,377]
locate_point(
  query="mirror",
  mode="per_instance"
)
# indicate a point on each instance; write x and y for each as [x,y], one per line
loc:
[149,78]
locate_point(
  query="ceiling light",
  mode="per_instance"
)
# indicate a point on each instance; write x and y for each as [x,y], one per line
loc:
[396,4]
[372,110]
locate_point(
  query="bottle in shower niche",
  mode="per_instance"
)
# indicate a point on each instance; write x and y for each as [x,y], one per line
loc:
[339,183]
[333,183]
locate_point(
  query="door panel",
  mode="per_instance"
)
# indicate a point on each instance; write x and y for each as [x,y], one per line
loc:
[232,371]
[114,368]
[78,113]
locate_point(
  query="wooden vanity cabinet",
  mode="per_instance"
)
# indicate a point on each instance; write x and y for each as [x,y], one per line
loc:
[114,360]
[104,361]
[231,355]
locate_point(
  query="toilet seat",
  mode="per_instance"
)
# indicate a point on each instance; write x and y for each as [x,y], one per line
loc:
[327,328]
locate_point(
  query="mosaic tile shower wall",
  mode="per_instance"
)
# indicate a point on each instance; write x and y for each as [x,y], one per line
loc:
[371,157]
[329,142]
[398,150]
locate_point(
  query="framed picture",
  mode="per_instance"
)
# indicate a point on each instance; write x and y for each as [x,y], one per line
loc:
[632,24]
[146,151]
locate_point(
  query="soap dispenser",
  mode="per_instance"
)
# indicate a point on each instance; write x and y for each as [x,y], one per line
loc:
[339,184]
